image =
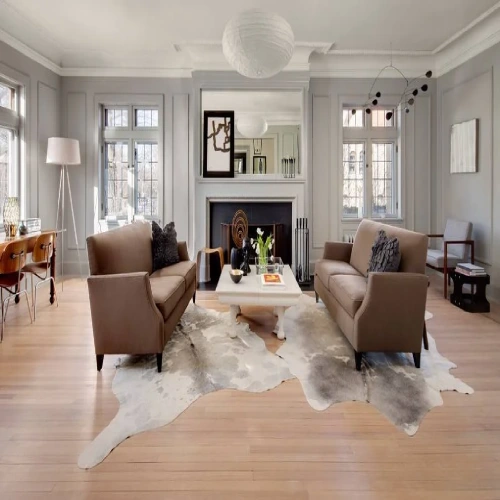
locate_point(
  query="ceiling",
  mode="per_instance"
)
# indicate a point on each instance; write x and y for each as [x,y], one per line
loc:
[76,36]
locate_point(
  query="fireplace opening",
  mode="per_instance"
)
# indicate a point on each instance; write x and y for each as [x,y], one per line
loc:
[272,217]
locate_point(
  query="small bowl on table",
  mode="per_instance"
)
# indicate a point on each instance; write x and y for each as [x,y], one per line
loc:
[236,275]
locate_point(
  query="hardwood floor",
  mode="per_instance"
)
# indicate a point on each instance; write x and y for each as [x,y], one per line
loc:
[234,445]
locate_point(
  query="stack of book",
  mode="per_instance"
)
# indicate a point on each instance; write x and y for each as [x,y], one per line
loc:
[470,269]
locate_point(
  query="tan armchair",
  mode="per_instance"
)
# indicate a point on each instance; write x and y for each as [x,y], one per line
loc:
[135,311]
[376,311]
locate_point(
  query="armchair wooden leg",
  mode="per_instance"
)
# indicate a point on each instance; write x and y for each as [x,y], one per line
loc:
[99,359]
[317,296]
[426,340]
[194,297]
[416,359]
[445,271]
[358,356]
[159,361]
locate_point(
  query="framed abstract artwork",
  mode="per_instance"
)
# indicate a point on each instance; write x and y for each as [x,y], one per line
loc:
[218,144]
[464,152]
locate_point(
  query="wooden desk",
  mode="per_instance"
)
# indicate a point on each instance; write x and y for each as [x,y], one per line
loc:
[31,237]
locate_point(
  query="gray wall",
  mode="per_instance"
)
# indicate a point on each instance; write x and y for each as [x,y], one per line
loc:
[472,91]
[80,100]
[327,96]
[43,89]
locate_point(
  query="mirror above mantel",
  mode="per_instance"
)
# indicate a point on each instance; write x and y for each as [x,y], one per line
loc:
[267,132]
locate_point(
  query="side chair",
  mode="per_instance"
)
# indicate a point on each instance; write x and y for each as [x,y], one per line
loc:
[40,265]
[11,263]
[454,249]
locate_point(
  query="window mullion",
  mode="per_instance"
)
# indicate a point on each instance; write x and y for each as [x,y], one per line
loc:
[131,176]
[368,177]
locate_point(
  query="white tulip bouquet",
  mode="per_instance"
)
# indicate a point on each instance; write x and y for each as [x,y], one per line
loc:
[261,247]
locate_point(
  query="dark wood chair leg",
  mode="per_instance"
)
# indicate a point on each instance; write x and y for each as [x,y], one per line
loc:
[99,359]
[416,359]
[426,340]
[317,296]
[159,361]
[358,356]
[445,271]
[194,297]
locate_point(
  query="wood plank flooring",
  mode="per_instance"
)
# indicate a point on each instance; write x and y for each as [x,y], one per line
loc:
[234,445]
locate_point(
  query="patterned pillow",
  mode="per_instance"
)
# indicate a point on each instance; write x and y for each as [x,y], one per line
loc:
[385,254]
[165,251]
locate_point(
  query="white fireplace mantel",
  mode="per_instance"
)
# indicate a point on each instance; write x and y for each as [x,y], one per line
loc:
[258,192]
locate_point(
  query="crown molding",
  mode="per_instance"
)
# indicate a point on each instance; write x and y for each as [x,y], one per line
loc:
[128,72]
[29,52]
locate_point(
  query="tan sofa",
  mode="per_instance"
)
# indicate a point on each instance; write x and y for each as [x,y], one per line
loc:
[376,311]
[135,311]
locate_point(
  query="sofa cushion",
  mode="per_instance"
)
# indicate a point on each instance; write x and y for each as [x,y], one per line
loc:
[185,269]
[349,291]
[385,254]
[164,247]
[167,292]
[435,258]
[412,245]
[325,268]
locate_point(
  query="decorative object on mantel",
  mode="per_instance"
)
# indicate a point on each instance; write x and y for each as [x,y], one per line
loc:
[218,144]
[407,98]
[245,250]
[239,231]
[63,151]
[251,126]
[288,167]
[259,164]
[463,152]
[302,273]
[11,216]
[202,358]
[257,146]
[240,163]
[258,44]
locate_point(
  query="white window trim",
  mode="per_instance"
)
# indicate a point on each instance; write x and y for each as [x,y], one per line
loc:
[135,127]
[148,101]
[368,135]
[14,120]
[119,108]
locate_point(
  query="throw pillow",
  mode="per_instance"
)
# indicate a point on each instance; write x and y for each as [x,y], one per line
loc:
[385,254]
[165,251]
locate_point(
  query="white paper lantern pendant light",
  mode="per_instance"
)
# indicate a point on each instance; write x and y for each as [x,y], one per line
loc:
[258,44]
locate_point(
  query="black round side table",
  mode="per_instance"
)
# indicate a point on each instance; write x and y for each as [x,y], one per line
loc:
[471,302]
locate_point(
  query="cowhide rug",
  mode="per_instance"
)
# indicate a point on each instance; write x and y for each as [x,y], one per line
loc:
[202,358]
[199,358]
[319,355]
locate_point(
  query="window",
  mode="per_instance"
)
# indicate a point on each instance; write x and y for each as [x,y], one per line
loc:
[131,177]
[146,118]
[370,166]
[10,126]
[7,97]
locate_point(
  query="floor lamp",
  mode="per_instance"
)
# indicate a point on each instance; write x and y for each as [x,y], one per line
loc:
[64,152]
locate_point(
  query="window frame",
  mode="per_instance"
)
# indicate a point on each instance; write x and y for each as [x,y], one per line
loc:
[116,108]
[144,108]
[13,120]
[132,135]
[370,134]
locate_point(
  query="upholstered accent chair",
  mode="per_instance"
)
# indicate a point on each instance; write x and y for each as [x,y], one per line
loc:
[456,246]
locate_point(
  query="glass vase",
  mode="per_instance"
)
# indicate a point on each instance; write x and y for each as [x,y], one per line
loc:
[11,216]
[264,264]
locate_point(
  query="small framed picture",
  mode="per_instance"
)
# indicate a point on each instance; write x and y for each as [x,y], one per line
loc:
[218,144]
[259,164]
[240,163]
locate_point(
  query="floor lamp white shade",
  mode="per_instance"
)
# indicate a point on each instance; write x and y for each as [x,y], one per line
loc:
[63,151]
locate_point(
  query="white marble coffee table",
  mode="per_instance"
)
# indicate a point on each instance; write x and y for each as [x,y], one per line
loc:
[250,291]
